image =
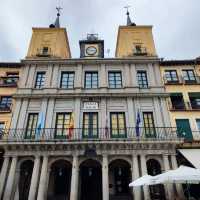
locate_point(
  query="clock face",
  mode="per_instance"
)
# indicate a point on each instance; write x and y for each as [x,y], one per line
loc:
[91,50]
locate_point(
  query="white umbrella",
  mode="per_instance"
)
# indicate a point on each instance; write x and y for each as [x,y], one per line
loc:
[144,180]
[181,175]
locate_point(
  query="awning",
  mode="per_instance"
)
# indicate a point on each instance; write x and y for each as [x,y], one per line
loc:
[192,155]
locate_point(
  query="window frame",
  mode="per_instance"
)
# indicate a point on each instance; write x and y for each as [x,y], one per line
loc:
[118,129]
[62,135]
[90,126]
[149,129]
[144,82]
[115,81]
[68,80]
[32,129]
[190,79]
[41,81]
[7,104]
[171,77]
[93,84]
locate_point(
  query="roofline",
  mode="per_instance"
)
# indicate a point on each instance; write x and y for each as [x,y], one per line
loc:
[11,64]
[179,62]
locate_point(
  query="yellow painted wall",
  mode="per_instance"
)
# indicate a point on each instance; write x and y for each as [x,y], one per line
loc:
[184,89]
[7,91]
[129,36]
[55,39]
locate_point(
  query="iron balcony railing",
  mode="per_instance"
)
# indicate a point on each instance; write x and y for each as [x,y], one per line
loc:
[183,106]
[78,134]
[181,80]
[9,81]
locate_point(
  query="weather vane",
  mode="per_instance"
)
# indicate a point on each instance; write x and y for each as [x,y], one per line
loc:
[127,7]
[58,9]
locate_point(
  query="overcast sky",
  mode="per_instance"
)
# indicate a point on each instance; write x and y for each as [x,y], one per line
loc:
[176,23]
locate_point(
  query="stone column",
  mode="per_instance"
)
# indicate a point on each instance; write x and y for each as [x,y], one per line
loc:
[55,76]
[127,75]
[11,178]
[3,174]
[105,179]
[43,178]
[78,77]
[131,117]
[22,115]
[49,76]
[34,179]
[135,175]
[31,76]
[144,172]
[133,73]
[179,188]
[74,179]
[103,76]
[168,187]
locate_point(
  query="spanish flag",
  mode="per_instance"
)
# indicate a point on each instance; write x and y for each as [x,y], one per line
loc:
[71,126]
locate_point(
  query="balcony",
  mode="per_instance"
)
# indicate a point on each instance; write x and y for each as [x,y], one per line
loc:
[168,81]
[9,81]
[192,81]
[157,134]
[44,52]
[180,80]
[183,106]
[5,108]
[140,51]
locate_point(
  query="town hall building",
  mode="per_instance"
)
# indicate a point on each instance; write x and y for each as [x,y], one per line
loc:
[84,128]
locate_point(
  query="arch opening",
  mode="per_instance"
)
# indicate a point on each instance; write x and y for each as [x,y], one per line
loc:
[156,191]
[26,170]
[59,180]
[119,179]
[90,184]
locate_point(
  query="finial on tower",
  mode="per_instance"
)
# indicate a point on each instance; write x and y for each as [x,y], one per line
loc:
[129,22]
[57,22]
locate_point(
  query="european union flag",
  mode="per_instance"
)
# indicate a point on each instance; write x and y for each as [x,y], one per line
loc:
[137,128]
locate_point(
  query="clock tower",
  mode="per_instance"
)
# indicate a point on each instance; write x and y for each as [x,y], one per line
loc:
[92,47]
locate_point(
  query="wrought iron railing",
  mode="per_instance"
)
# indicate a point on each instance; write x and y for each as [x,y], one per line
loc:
[77,134]
[9,81]
[183,106]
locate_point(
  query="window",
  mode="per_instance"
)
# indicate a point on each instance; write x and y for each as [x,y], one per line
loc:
[177,102]
[62,124]
[90,125]
[40,79]
[115,79]
[149,126]
[45,50]
[171,76]
[12,78]
[31,125]
[5,102]
[189,76]
[67,80]
[198,124]
[142,79]
[2,126]
[194,100]
[91,80]
[118,125]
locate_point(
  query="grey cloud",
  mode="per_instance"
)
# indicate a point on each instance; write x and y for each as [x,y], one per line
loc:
[176,23]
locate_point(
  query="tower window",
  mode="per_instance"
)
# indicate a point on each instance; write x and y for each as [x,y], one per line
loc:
[45,50]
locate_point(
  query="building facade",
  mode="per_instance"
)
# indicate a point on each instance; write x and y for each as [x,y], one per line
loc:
[82,129]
